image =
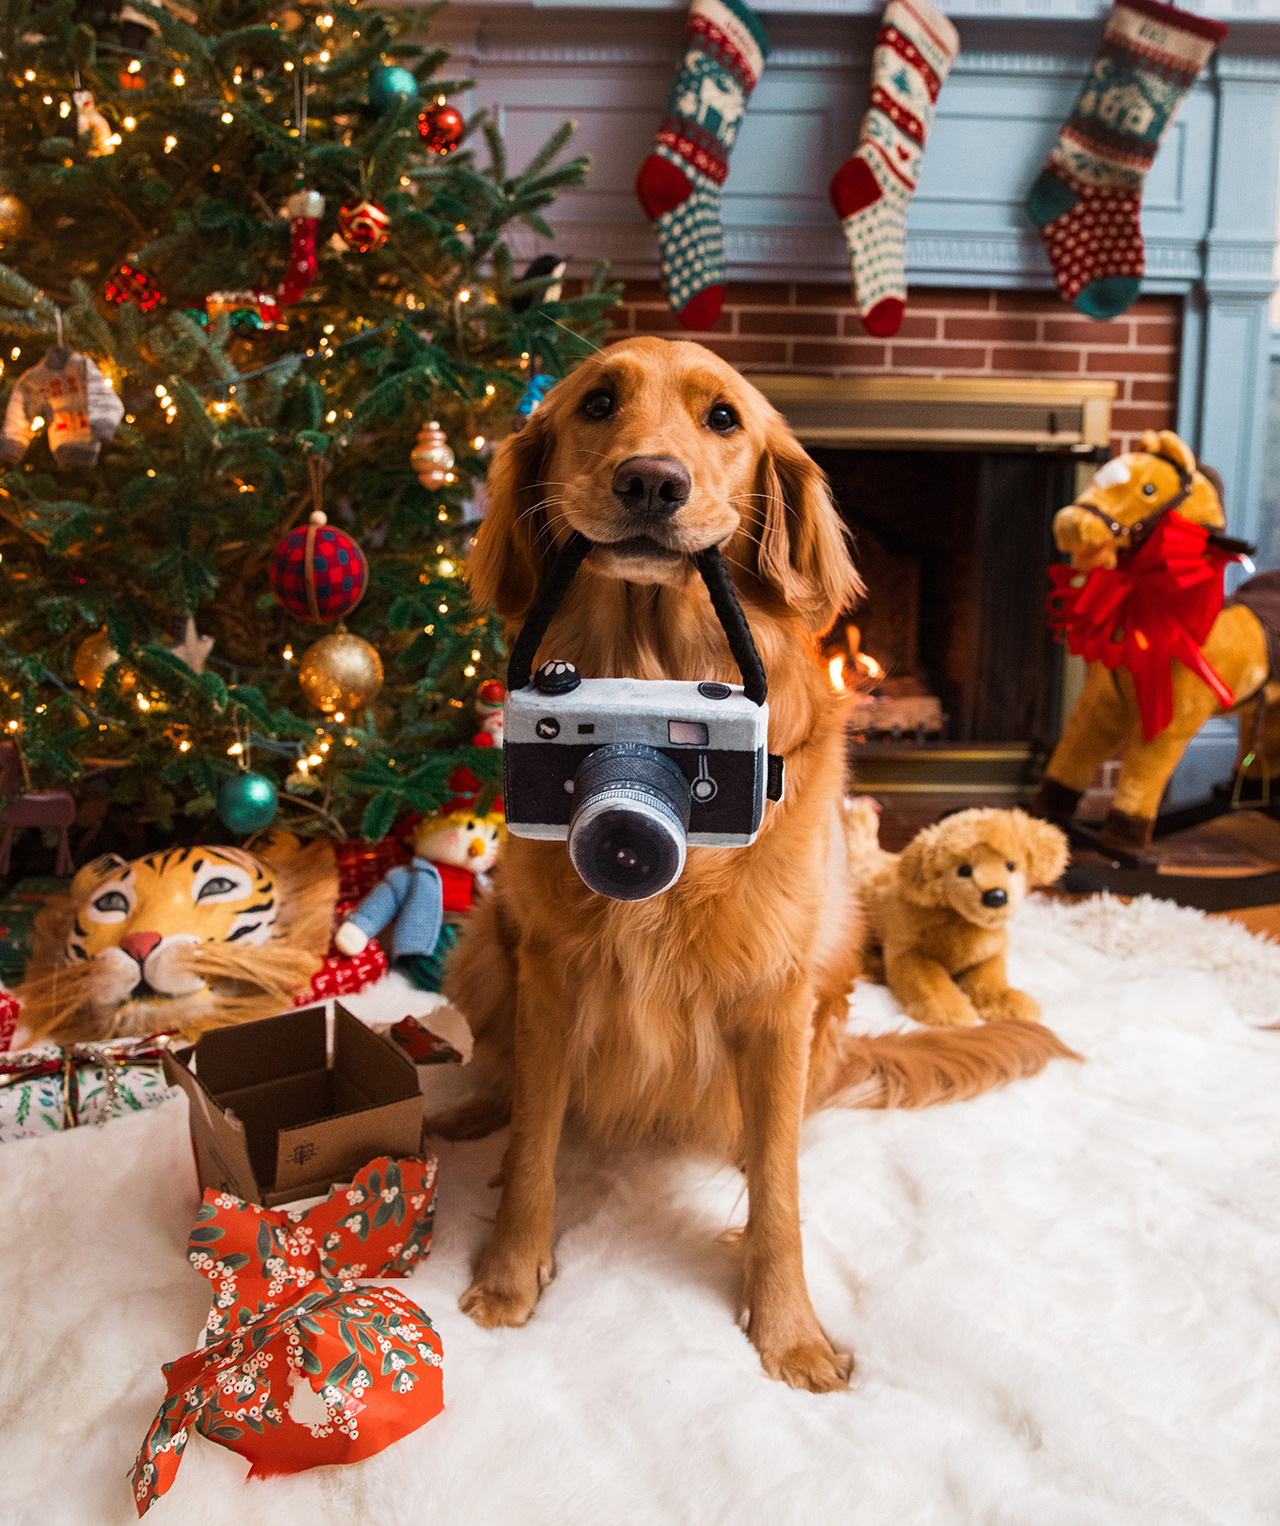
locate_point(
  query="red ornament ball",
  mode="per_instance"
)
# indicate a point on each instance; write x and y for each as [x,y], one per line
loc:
[363,226]
[441,128]
[133,284]
[319,573]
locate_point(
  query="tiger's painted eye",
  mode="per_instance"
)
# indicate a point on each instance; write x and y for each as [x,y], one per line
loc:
[722,419]
[1148,489]
[965,871]
[113,900]
[219,885]
[598,405]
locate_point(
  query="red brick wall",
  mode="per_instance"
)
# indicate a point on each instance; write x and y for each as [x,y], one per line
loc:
[816,329]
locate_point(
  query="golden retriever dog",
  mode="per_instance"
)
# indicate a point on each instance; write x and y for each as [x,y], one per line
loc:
[937,915]
[711,1014]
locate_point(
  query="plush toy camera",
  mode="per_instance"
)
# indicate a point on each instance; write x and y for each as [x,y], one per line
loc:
[631,771]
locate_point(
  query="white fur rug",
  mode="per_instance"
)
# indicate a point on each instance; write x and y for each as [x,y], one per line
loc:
[1064,1297]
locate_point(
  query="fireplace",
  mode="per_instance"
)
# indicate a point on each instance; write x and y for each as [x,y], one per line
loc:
[949,488]
[953,547]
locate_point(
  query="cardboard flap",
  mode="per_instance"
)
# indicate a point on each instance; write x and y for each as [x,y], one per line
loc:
[222,1149]
[336,1148]
[244,1053]
[375,1066]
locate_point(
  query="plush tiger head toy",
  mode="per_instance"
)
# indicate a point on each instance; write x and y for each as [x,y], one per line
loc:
[189,938]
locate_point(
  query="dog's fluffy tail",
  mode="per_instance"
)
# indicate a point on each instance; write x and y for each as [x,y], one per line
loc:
[935,1065]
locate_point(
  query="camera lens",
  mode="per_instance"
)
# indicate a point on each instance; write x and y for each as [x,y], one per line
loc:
[630,815]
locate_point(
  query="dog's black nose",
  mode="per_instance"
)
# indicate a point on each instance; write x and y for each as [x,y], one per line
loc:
[996,897]
[652,487]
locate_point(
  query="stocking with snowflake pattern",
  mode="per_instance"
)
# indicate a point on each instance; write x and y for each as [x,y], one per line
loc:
[679,182]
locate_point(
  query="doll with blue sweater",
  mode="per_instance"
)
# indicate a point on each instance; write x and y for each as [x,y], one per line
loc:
[426,900]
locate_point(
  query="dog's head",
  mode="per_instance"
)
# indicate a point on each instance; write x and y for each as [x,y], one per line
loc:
[655,450]
[981,863]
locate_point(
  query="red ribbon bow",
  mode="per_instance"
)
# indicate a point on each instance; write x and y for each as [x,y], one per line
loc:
[1159,603]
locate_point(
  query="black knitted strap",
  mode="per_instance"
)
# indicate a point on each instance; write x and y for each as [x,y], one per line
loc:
[733,622]
[715,575]
[547,600]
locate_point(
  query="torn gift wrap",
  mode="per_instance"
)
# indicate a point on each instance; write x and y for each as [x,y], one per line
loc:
[303,1366]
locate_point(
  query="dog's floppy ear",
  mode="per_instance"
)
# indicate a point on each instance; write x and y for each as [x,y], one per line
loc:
[802,555]
[1046,850]
[921,867]
[512,550]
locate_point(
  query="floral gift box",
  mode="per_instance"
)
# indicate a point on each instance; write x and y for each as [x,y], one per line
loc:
[48,1088]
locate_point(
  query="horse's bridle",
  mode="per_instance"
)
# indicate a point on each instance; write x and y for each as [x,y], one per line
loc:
[1141,528]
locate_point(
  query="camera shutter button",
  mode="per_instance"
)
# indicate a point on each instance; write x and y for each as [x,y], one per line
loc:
[712,690]
[556,677]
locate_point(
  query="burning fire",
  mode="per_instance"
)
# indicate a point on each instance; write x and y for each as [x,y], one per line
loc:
[865,668]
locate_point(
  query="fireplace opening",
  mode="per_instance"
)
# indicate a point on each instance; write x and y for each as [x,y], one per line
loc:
[950,643]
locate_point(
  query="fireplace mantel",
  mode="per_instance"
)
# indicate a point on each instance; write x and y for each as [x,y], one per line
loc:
[1209,215]
[870,412]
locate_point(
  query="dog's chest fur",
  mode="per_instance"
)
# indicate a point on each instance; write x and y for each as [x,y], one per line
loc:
[651,991]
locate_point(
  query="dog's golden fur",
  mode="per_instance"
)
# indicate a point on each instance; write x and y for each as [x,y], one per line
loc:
[713,1013]
[928,933]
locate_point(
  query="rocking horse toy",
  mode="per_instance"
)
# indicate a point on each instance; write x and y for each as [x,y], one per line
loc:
[1142,601]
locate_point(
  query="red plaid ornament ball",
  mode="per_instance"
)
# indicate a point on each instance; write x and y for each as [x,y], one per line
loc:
[319,573]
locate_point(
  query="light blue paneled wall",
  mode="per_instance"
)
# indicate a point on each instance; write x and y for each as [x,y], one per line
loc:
[1209,214]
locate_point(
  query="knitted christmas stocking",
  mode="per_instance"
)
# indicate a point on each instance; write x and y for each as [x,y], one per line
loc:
[679,183]
[916,47]
[1087,201]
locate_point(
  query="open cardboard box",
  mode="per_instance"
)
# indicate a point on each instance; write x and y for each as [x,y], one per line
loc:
[275,1118]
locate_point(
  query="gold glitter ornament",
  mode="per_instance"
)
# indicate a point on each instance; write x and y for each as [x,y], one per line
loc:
[340,673]
[15,217]
[431,457]
[92,658]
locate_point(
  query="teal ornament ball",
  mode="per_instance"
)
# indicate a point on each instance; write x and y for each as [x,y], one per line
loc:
[391,82]
[247,802]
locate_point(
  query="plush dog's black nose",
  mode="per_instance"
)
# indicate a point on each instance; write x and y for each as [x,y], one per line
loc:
[652,487]
[996,897]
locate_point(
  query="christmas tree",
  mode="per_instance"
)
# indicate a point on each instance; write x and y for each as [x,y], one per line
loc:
[270,234]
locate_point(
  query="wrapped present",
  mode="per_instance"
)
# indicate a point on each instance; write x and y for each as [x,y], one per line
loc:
[422,1046]
[344,974]
[361,865]
[47,1088]
[304,1367]
[18,909]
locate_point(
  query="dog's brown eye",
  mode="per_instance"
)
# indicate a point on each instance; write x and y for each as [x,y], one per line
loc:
[965,870]
[598,404]
[722,419]
[1009,865]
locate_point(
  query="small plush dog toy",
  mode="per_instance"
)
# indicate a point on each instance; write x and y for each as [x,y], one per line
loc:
[937,915]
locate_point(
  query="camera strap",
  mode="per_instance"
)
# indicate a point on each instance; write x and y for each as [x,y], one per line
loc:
[715,575]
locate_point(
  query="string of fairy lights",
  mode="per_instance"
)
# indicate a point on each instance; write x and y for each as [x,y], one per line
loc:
[308,756]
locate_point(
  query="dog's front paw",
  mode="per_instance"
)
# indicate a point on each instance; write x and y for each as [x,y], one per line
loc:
[507,1299]
[814,1365]
[795,1350]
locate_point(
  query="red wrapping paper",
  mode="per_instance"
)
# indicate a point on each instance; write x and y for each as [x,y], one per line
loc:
[288,1317]
[1155,605]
